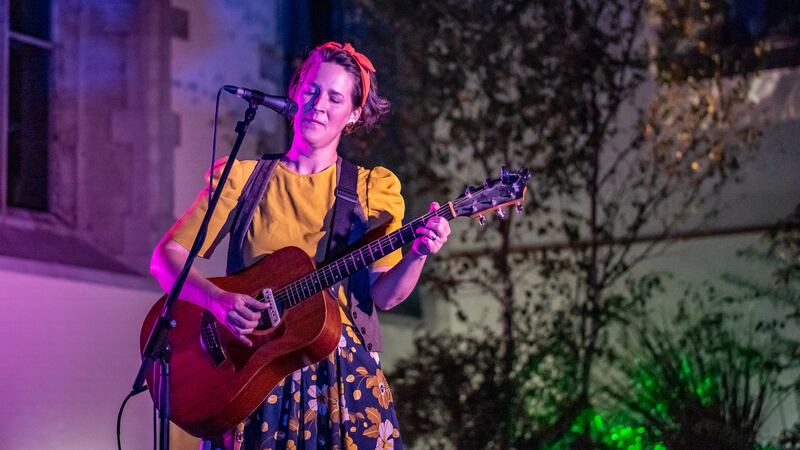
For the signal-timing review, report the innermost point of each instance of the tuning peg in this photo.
(518, 208)
(501, 213)
(482, 220)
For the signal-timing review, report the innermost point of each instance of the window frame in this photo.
(11, 213)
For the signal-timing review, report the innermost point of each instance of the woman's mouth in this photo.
(314, 121)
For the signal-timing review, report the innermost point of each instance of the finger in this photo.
(255, 304)
(244, 310)
(440, 227)
(247, 313)
(244, 340)
(426, 232)
(434, 206)
(240, 336)
(235, 319)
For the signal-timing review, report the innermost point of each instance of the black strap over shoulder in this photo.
(251, 195)
(346, 200)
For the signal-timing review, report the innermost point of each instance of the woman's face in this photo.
(325, 104)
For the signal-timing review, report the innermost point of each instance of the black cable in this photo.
(119, 418)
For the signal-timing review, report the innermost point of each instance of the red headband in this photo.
(363, 63)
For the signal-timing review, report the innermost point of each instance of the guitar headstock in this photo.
(494, 195)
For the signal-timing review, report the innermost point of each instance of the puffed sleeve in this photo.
(185, 229)
(385, 209)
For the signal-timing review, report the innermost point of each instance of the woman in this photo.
(343, 401)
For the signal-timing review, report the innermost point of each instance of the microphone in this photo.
(282, 105)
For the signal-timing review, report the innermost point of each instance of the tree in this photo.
(626, 150)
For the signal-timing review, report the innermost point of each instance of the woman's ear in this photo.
(354, 116)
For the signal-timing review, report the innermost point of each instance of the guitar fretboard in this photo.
(339, 269)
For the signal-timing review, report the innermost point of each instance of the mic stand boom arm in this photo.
(157, 347)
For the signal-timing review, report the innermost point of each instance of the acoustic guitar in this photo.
(216, 381)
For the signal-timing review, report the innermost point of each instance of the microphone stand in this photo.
(157, 348)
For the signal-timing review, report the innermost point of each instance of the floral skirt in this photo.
(342, 402)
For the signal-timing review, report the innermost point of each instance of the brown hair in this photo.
(375, 106)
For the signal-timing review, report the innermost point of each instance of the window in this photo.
(25, 137)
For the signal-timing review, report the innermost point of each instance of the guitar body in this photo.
(208, 397)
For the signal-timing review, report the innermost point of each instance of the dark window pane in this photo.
(28, 134)
(31, 17)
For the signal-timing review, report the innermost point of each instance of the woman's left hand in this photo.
(431, 236)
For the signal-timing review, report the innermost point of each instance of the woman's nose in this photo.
(319, 103)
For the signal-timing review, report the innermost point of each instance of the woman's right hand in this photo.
(238, 312)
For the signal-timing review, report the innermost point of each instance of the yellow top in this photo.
(293, 211)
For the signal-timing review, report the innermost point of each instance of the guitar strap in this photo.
(251, 195)
(346, 193)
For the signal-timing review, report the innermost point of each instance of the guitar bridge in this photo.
(273, 312)
(209, 336)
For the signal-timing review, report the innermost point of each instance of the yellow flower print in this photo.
(294, 424)
(348, 442)
(380, 388)
(338, 406)
(375, 419)
(353, 335)
(342, 350)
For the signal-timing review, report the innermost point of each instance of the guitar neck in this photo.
(358, 259)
